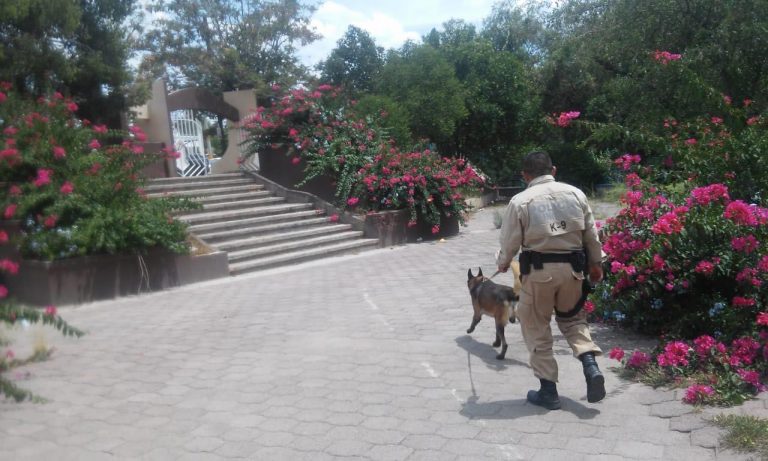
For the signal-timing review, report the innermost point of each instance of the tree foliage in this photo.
(79, 48)
(226, 45)
(355, 63)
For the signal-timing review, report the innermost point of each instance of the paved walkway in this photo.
(361, 357)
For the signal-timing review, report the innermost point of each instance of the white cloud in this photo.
(332, 19)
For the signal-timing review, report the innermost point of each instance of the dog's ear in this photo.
(469, 274)
(480, 274)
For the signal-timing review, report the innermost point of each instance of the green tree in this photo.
(77, 47)
(355, 63)
(420, 79)
(227, 45)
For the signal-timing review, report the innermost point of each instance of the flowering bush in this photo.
(369, 170)
(712, 372)
(76, 190)
(75, 187)
(684, 261)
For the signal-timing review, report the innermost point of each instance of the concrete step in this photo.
(238, 244)
(296, 245)
(302, 219)
(233, 197)
(294, 257)
(198, 185)
(187, 179)
(239, 204)
(230, 215)
(213, 191)
(223, 226)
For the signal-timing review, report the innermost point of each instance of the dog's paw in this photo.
(513, 319)
(500, 357)
(470, 330)
(496, 343)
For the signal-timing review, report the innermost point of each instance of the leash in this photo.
(494, 274)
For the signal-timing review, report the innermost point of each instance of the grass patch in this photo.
(611, 195)
(746, 434)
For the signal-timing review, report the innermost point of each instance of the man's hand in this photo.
(595, 273)
(503, 268)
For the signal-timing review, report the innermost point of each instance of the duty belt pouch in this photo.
(525, 263)
(579, 261)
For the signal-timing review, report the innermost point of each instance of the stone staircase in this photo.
(257, 229)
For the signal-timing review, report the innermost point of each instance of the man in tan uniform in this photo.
(552, 223)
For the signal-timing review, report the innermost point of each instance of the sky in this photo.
(389, 22)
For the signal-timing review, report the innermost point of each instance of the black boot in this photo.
(595, 379)
(546, 396)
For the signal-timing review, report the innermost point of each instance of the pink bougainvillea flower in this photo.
(708, 194)
(435, 229)
(59, 152)
(740, 213)
(10, 210)
(67, 188)
(717, 120)
(753, 120)
(665, 57)
(741, 301)
(675, 354)
(100, 129)
(705, 268)
(746, 244)
(589, 306)
(411, 223)
(727, 100)
(565, 118)
(762, 318)
(50, 221)
(50, 311)
(295, 160)
(638, 359)
(43, 177)
(3, 97)
(15, 191)
(71, 106)
(352, 201)
(691, 141)
(94, 144)
(9, 266)
(3, 291)
(333, 218)
(698, 393)
(616, 353)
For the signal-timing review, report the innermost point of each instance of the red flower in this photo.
(10, 210)
(435, 228)
(352, 201)
(3, 291)
(9, 266)
(295, 160)
(59, 152)
(762, 318)
(43, 177)
(94, 144)
(3, 236)
(50, 311)
(50, 221)
(616, 353)
(334, 218)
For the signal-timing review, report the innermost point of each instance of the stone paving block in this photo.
(389, 452)
(638, 450)
(431, 455)
(706, 437)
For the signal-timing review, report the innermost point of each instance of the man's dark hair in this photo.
(537, 163)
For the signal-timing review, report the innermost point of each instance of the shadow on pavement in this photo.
(487, 353)
(518, 408)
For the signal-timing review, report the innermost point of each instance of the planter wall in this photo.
(278, 167)
(391, 228)
(92, 278)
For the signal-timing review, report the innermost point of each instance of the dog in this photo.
(495, 300)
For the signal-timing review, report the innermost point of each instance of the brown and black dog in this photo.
(494, 300)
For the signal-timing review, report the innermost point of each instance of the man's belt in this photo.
(528, 259)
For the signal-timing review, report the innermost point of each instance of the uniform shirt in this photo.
(548, 217)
